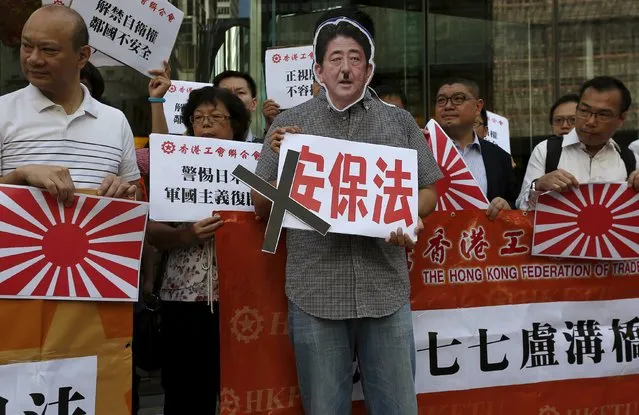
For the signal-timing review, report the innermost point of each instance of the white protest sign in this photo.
(138, 33)
(176, 97)
(99, 59)
(359, 188)
(498, 131)
(191, 177)
(289, 75)
(53, 386)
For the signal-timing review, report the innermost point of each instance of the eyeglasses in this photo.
(563, 120)
(603, 116)
(209, 119)
(456, 99)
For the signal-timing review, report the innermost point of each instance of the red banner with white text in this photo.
(497, 331)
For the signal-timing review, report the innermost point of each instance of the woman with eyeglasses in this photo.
(189, 290)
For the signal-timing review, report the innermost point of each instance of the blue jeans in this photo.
(324, 352)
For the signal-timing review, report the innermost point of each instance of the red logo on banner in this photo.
(89, 250)
(458, 189)
(593, 221)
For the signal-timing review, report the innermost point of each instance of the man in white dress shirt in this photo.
(588, 153)
(53, 135)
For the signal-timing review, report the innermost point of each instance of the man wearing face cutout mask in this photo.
(349, 295)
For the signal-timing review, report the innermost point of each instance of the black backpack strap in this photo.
(628, 158)
(554, 153)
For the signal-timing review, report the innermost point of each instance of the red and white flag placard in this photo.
(458, 189)
(88, 251)
(596, 220)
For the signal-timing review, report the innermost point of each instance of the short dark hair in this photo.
(239, 116)
(562, 100)
(386, 90)
(95, 79)
(343, 28)
(350, 12)
(80, 36)
(608, 83)
(236, 74)
(484, 116)
(470, 84)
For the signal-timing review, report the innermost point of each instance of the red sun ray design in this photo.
(458, 189)
(90, 250)
(594, 221)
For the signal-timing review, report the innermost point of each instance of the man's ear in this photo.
(480, 105)
(85, 54)
(318, 72)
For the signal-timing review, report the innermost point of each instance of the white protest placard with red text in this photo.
(192, 177)
(176, 97)
(138, 33)
(289, 75)
(498, 131)
(359, 188)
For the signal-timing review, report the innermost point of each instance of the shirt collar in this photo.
(41, 102)
(475, 144)
(572, 139)
(365, 102)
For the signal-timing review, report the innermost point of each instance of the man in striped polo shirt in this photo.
(53, 135)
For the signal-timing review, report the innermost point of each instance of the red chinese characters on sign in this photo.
(161, 11)
(195, 149)
(396, 193)
(309, 183)
(352, 195)
(513, 246)
(351, 171)
(473, 243)
(184, 149)
(220, 151)
(437, 247)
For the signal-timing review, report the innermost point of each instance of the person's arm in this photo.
(165, 237)
(56, 179)
(428, 172)
(267, 165)
(427, 200)
(535, 169)
(157, 89)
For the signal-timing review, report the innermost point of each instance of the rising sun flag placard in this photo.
(88, 251)
(597, 220)
(458, 189)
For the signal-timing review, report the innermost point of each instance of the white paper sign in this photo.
(192, 177)
(49, 385)
(176, 97)
(359, 188)
(289, 75)
(498, 131)
(138, 33)
(99, 59)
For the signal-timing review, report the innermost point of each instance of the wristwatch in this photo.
(533, 187)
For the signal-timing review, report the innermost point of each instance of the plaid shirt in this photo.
(341, 276)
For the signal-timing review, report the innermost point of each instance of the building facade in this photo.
(523, 53)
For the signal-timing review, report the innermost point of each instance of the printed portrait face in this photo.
(344, 65)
